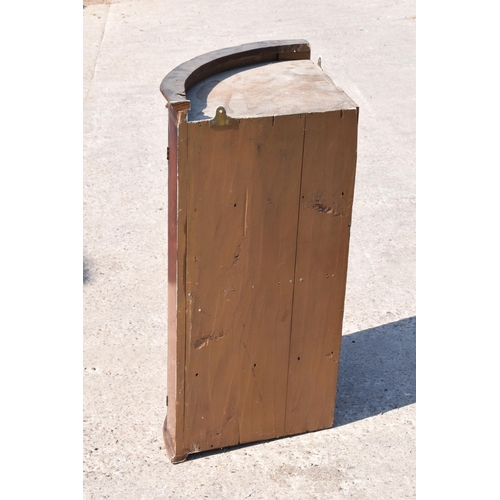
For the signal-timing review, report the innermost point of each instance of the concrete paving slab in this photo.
(368, 48)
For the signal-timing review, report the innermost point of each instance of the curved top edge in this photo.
(175, 85)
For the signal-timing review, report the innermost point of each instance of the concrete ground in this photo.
(368, 48)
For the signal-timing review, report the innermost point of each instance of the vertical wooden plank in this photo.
(243, 191)
(174, 424)
(322, 248)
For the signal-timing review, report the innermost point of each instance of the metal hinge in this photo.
(168, 153)
(166, 401)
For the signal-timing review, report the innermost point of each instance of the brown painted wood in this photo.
(321, 269)
(175, 85)
(243, 189)
(174, 423)
(259, 220)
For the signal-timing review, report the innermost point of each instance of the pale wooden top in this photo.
(268, 89)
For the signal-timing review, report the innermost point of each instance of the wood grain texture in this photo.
(259, 220)
(174, 424)
(291, 87)
(243, 191)
(321, 268)
(175, 85)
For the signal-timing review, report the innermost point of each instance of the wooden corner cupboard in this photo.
(262, 158)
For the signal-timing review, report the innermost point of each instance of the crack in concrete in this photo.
(98, 53)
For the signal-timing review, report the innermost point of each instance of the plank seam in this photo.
(294, 273)
(185, 446)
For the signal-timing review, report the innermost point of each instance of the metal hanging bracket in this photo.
(221, 119)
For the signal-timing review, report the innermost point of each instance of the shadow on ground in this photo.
(376, 371)
(86, 271)
(376, 374)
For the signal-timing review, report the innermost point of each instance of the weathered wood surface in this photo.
(243, 189)
(321, 269)
(259, 221)
(173, 429)
(175, 85)
(269, 89)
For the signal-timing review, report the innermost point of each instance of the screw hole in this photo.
(196, 374)
(298, 359)
(254, 365)
(235, 204)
